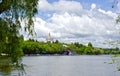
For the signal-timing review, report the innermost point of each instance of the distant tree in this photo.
(56, 41)
(31, 40)
(90, 45)
(76, 44)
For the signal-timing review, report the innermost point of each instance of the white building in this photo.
(49, 39)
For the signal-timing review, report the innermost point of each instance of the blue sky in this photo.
(80, 21)
(104, 4)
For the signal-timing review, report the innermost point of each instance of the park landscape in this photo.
(59, 38)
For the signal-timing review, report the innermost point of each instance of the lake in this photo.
(84, 65)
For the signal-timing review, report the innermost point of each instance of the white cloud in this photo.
(65, 24)
(74, 24)
(60, 6)
(93, 6)
(67, 6)
(109, 13)
(44, 5)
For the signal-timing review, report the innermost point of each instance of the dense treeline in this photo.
(112, 50)
(34, 47)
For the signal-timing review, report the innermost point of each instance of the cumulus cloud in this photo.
(44, 5)
(93, 6)
(60, 6)
(71, 23)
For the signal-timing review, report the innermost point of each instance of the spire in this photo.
(49, 38)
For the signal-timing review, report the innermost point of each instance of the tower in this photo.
(49, 40)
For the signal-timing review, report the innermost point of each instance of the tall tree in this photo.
(12, 13)
(90, 45)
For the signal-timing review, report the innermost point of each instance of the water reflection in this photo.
(6, 67)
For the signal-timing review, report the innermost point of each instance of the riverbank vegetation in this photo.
(34, 47)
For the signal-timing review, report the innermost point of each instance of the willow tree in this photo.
(12, 13)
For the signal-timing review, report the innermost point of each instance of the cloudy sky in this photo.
(80, 21)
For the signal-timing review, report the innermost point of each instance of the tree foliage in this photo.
(90, 45)
(32, 47)
(12, 13)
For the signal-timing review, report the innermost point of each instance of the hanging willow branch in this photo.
(12, 13)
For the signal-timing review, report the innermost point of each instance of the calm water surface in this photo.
(70, 66)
